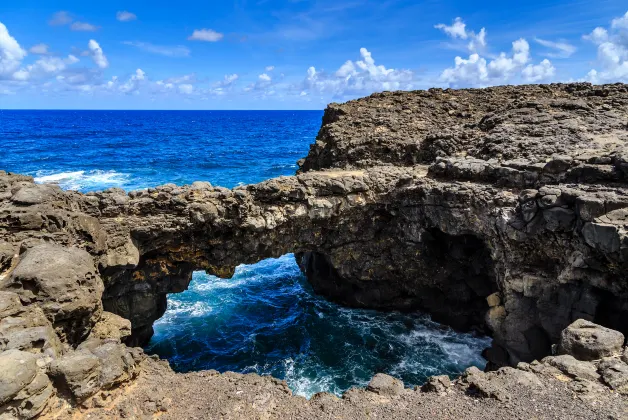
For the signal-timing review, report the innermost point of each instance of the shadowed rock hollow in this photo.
(502, 210)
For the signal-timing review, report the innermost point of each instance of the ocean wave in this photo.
(83, 180)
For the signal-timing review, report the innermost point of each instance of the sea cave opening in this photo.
(267, 319)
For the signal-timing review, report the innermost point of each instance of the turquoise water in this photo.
(266, 319)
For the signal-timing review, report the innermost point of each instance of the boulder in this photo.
(118, 364)
(573, 367)
(79, 373)
(17, 370)
(383, 384)
(111, 326)
(32, 399)
(614, 374)
(585, 340)
(26, 328)
(35, 194)
(64, 283)
(437, 384)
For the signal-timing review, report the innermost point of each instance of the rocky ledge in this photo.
(500, 210)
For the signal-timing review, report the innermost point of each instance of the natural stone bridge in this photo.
(502, 210)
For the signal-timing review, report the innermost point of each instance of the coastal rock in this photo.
(79, 373)
(64, 284)
(383, 384)
(439, 383)
(500, 211)
(615, 374)
(17, 370)
(585, 340)
(573, 367)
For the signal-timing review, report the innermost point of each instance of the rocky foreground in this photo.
(501, 210)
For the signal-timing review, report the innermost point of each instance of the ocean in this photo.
(266, 319)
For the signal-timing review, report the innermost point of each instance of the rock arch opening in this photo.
(268, 319)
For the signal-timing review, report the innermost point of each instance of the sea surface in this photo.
(266, 319)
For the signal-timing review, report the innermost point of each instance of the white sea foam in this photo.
(83, 180)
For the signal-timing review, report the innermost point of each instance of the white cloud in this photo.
(134, 82)
(477, 71)
(597, 36)
(168, 51)
(472, 71)
(539, 72)
(264, 77)
(11, 54)
(356, 78)
(458, 30)
(125, 16)
(612, 52)
(83, 27)
(60, 18)
(45, 67)
(228, 80)
(620, 22)
(97, 54)
(270, 68)
(208, 35)
(41, 49)
(561, 49)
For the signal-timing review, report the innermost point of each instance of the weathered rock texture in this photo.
(502, 210)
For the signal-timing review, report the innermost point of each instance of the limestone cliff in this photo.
(502, 210)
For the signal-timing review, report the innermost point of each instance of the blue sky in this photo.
(294, 54)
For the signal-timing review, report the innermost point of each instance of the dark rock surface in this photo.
(502, 210)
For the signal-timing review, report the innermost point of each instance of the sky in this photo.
(294, 54)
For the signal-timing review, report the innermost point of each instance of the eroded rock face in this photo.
(64, 283)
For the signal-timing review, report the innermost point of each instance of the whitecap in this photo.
(83, 180)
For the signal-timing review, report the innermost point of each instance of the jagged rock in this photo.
(111, 326)
(17, 370)
(35, 194)
(385, 385)
(118, 363)
(573, 367)
(624, 356)
(77, 372)
(437, 384)
(31, 400)
(26, 328)
(585, 340)
(64, 283)
(615, 374)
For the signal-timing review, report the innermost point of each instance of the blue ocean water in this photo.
(266, 319)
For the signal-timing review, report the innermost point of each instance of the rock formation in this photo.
(502, 210)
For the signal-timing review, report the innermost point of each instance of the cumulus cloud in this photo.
(97, 54)
(11, 54)
(60, 18)
(561, 49)
(356, 78)
(133, 84)
(458, 30)
(44, 67)
(477, 71)
(264, 77)
(612, 52)
(207, 35)
(539, 72)
(168, 51)
(270, 68)
(41, 49)
(125, 16)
